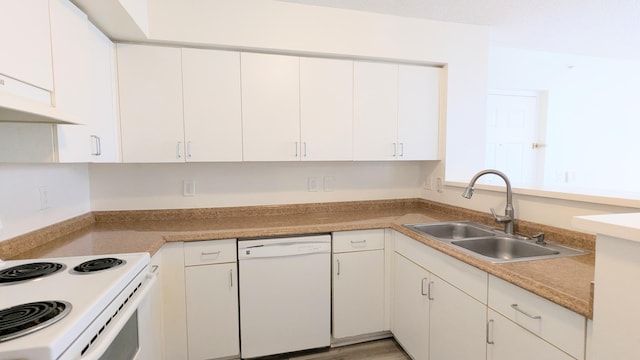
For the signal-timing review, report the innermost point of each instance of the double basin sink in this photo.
(489, 244)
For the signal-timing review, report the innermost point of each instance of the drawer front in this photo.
(557, 325)
(358, 240)
(209, 252)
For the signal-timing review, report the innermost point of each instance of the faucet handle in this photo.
(539, 237)
(500, 218)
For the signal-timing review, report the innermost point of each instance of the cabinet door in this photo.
(375, 112)
(212, 113)
(455, 317)
(150, 86)
(326, 109)
(411, 307)
(358, 293)
(270, 107)
(25, 35)
(418, 112)
(69, 39)
(103, 120)
(212, 311)
(508, 341)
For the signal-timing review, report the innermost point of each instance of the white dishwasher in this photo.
(285, 294)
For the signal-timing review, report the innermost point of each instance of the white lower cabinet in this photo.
(211, 285)
(539, 318)
(358, 283)
(432, 317)
(507, 341)
(411, 307)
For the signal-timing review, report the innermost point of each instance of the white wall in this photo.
(67, 191)
(160, 186)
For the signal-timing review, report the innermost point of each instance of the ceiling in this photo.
(592, 27)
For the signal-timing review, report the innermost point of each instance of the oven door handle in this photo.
(99, 348)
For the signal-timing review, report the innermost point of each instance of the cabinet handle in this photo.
(395, 149)
(490, 332)
(422, 287)
(338, 266)
(210, 253)
(304, 144)
(401, 149)
(296, 155)
(358, 242)
(98, 147)
(430, 288)
(178, 152)
(154, 268)
(516, 308)
(230, 278)
(189, 149)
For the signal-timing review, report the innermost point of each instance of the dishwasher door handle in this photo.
(283, 250)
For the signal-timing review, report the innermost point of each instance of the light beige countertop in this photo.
(565, 281)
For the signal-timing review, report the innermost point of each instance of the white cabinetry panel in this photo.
(212, 110)
(25, 34)
(270, 107)
(375, 113)
(418, 112)
(326, 109)
(150, 86)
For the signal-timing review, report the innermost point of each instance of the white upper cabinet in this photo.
(26, 42)
(70, 40)
(151, 118)
(326, 109)
(104, 132)
(396, 111)
(212, 109)
(418, 112)
(375, 113)
(270, 107)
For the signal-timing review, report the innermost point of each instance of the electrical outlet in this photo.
(427, 184)
(44, 197)
(313, 184)
(188, 187)
(328, 182)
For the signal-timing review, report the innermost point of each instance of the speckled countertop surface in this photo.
(565, 281)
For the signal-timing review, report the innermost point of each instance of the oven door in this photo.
(122, 336)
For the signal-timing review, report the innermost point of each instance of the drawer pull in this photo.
(516, 308)
(154, 268)
(490, 332)
(210, 253)
(357, 242)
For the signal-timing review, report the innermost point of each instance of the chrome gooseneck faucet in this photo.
(508, 217)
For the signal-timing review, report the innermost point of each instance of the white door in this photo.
(512, 131)
(326, 109)
(358, 293)
(212, 311)
(508, 341)
(212, 112)
(411, 307)
(455, 317)
(270, 107)
(418, 112)
(375, 112)
(151, 118)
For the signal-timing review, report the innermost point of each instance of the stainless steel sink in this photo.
(452, 230)
(490, 244)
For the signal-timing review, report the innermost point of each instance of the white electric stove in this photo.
(71, 312)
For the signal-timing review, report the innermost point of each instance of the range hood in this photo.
(18, 109)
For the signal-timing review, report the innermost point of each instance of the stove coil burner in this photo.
(28, 271)
(98, 265)
(24, 319)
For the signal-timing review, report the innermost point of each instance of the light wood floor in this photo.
(386, 349)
